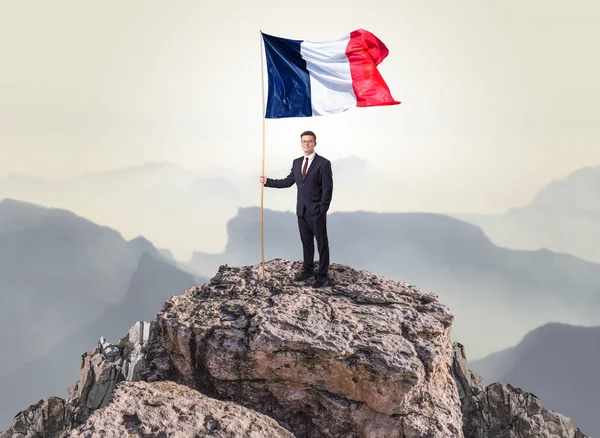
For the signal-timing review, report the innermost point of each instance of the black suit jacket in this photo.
(314, 193)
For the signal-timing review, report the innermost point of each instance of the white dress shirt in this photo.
(311, 157)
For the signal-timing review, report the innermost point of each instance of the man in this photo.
(314, 179)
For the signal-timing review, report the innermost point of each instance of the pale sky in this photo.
(498, 97)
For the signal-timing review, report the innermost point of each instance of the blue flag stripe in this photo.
(288, 78)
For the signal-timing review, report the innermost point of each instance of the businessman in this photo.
(313, 176)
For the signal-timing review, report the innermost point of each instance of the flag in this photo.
(319, 78)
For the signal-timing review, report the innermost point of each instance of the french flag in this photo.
(309, 78)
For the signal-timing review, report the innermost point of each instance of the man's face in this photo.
(308, 144)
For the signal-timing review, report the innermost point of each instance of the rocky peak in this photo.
(365, 356)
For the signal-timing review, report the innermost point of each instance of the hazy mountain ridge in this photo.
(181, 209)
(579, 191)
(163, 202)
(564, 216)
(35, 253)
(59, 272)
(149, 198)
(556, 362)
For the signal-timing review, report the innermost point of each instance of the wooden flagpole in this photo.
(262, 186)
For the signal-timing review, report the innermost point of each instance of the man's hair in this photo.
(314, 136)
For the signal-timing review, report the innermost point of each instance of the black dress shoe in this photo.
(304, 275)
(321, 281)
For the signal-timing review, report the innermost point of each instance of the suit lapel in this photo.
(299, 167)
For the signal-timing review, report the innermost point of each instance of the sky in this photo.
(498, 97)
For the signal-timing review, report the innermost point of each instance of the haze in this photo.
(498, 98)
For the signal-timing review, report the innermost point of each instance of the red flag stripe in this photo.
(365, 51)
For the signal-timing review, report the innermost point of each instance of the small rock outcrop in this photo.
(101, 370)
(166, 409)
(502, 411)
(47, 419)
(365, 357)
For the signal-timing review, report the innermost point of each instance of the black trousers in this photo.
(312, 227)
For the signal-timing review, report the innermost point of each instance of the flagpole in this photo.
(262, 186)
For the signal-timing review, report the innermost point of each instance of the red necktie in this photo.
(304, 170)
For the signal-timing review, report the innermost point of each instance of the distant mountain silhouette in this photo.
(161, 201)
(59, 272)
(578, 192)
(180, 209)
(559, 364)
(53, 265)
(184, 210)
(564, 217)
(497, 294)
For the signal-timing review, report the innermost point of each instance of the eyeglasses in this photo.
(307, 141)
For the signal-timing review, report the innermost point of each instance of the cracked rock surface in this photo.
(102, 368)
(166, 409)
(363, 356)
(503, 411)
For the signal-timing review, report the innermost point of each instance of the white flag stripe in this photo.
(330, 79)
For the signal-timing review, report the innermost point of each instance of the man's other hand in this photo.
(263, 179)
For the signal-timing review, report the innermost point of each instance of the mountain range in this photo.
(64, 282)
(564, 217)
(180, 209)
